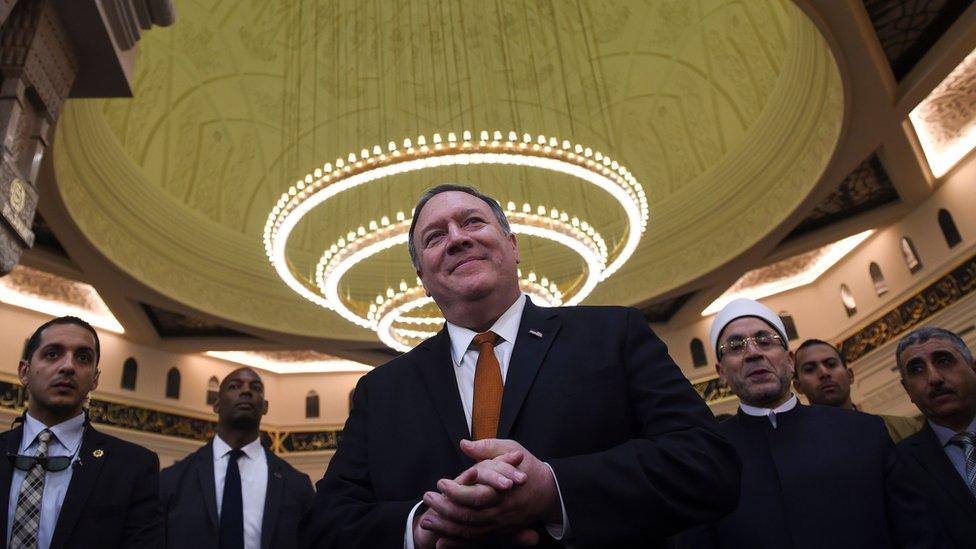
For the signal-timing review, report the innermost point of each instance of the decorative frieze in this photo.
(913, 311)
(136, 418)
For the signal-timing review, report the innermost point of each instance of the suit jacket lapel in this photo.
(932, 457)
(11, 446)
(205, 476)
(272, 499)
(91, 458)
(436, 370)
(530, 350)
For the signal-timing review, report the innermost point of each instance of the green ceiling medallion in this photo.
(726, 112)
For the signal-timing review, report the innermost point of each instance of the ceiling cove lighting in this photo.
(257, 360)
(396, 314)
(55, 296)
(819, 262)
(945, 120)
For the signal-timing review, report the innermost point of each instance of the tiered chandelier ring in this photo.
(392, 314)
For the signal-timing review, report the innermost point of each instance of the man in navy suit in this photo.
(586, 431)
(67, 485)
(233, 492)
(939, 374)
(812, 476)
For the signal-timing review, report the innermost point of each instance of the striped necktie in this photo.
(967, 441)
(27, 517)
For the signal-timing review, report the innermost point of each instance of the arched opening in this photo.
(130, 370)
(847, 298)
(698, 356)
(912, 260)
(213, 390)
(173, 383)
(790, 325)
(949, 230)
(877, 278)
(312, 404)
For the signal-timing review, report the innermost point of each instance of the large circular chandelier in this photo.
(404, 316)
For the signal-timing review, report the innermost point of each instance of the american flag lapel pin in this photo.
(535, 333)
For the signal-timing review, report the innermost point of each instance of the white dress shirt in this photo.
(253, 466)
(769, 412)
(65, 441)
(465, 359)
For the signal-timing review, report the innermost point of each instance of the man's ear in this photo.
(515, 247)
(792, 359)
(216, 406)
(420, 276)
(720, 372)
(22, 370)
(905, 387)
(264, 408)
(95, 378)
(850, 375)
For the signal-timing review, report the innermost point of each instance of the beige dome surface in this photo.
(727, 112)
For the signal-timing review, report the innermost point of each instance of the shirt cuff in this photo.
(408, 533)
(559, 532)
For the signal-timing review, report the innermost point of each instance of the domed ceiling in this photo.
(726, 112)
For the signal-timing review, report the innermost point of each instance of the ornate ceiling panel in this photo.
(56, 296)
(44, 238)
(172, 324)
(946, 120)
(716, 107)
(865, 188)
(908, 28)
(662, 311)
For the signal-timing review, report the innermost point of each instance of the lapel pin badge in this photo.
(98, 453)
(536, 333)
(277, 474)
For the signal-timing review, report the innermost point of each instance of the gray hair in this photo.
(496, 209)
(921, 335)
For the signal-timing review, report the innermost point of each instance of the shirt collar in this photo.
(251, 449)
(68, 433)
(506, 327)
(756, 411)
(944, 434)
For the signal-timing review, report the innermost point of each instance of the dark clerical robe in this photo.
(822, 478)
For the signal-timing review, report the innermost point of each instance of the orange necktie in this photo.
(488, 388)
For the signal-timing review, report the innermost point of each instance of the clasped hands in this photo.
(504, 493)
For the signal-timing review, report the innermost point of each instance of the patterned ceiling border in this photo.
(907, 29)
(136, 418)
(948, 289)
(712, 390)
(865, 188)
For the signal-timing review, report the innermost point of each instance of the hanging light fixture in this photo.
(393, 314)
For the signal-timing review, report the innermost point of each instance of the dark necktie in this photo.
(232, 506)
(488, 388)
(968, 443)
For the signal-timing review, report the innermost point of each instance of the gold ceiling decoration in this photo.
(726, 112)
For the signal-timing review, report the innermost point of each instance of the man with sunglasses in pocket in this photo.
(66, 484)
(812, 476)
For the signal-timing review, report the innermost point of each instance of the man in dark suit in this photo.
(813, 476)
(67, 485)
(822, 375)
(583, 428)
(233, 492)
(938, 372)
